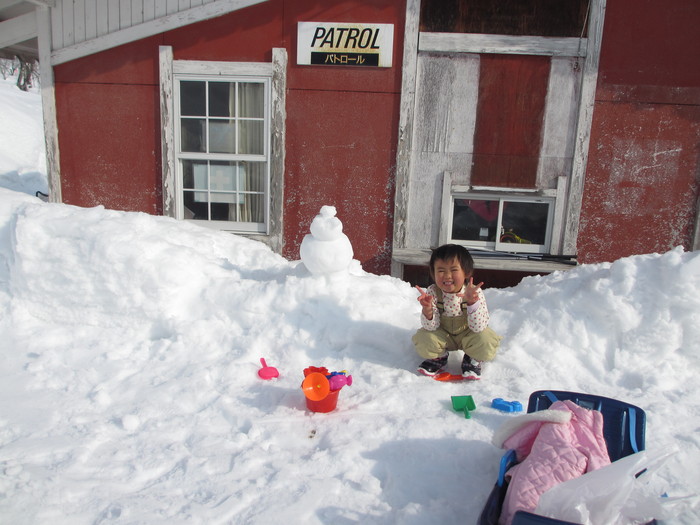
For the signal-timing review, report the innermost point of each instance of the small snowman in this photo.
(327, 250)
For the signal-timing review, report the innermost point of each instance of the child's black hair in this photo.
(447, 252)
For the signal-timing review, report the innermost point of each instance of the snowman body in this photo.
(326, 250)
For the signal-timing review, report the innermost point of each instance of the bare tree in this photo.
(7, 66)
(26, 72)
(26, 69)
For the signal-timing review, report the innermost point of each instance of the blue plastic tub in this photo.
(624, 428)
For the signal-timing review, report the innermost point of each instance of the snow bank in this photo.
(130, 392)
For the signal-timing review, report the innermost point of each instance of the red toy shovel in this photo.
(267, 372)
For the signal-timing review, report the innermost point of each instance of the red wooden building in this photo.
(548, 128)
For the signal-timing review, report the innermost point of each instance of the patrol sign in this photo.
(344, 44)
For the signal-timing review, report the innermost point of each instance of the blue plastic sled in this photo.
(624, 427)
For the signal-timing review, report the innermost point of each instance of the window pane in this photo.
(253, 210)
(254, 175)
(475, 220)
(251, 137)
(192, 138)
(251, 100)
(195, 209)
(222, 136)
(223, 176)
(525, 222)
(221, 99)
(192, 99)
(223, 212)
(194, 175)
(224, 182)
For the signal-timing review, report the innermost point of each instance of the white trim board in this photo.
(406, 120)
(167, 144)
(583, 128)
(48, 104)
(505, 44)
(18, 29)
(150, 28)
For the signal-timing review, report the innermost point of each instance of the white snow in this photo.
(22, 151)
(130, 346)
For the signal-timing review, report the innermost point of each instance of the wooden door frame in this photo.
(415, 41)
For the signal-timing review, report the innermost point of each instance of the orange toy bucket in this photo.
(318, 393)
(327, 404)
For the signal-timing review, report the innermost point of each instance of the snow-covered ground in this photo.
(130, 346)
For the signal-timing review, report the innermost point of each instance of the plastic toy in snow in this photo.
(338, 380)
(506, 406)
(316, 386)
(321, 388)
(267, 372)
(446, 376)
(464, 404)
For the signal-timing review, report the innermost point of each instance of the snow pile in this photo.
(129, 390)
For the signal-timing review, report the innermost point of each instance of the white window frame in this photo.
(230, 225)
(555, 198)
(275, 74)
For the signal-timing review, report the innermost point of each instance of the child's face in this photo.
(449, 275)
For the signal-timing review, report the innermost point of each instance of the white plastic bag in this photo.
(612, 495)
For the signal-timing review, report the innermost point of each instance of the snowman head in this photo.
(326, 226)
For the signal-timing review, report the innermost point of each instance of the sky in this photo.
(130, 347)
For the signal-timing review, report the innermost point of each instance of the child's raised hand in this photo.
(471, 292)
(426, 301)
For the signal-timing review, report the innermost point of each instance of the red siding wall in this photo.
(512, 91)
(342, 134)
(341, 122)
(641, 186)
(108, 122)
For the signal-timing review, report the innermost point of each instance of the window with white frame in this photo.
(222, 147)
(508, 223)
(506, 220)
(223, 143)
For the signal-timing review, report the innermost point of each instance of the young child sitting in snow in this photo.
(455, 316)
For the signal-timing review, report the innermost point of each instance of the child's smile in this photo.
(449, 275)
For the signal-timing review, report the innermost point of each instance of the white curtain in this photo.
(251, 104)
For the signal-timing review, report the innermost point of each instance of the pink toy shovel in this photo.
(267, 372)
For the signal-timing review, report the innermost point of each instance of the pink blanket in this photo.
(552, 446)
